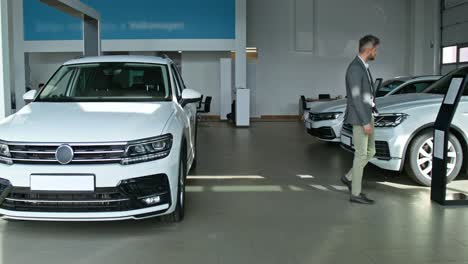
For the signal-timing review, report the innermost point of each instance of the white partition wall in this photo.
(225, 65)
(5, 64)
(243, 93)
(243, 107)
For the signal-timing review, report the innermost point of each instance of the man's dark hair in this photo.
(368, 41)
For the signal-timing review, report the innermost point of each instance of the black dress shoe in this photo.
(346, 182)
(361, 199)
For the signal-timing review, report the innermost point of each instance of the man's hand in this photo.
(368, 129)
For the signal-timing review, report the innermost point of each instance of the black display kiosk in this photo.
(441, 136)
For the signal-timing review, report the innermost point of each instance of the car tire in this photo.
(419, 159)
(179, 212)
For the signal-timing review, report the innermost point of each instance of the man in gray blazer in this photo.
(360, 114)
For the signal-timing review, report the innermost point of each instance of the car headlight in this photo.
(147, 150)
(5, 156)
(325, 116)
(390, 120)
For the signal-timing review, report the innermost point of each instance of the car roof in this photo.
(399, 78)
(119, 58)
(425, 78)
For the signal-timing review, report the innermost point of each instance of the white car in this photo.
(404, 132)
(107, 138)
(325, 121)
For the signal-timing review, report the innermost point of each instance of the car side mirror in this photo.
(190, 96)
(29, 96)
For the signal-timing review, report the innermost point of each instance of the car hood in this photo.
(401, 103)
(86, 122)
(333, 106)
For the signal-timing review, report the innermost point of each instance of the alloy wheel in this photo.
(425, 158)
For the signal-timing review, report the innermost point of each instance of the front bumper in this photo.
(328, 130)
(118, 194)
(390, 146)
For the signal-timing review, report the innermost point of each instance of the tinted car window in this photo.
(416, 87)
(388, 86)
(442, 85)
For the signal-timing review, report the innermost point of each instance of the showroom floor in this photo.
(269, 194)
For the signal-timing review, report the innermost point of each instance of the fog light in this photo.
(152, 200)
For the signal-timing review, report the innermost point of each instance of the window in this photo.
(108, 82)
(464, 54)
(442, 85)
(177, 83)
(178, 79)
(449, 55)
(57, 86)
(416, 87)
(179, 76)
(388, 86)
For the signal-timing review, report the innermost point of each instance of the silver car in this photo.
(325, 121)
(404, 132)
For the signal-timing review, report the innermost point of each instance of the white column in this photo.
(19, 70)
(5, 80)
(437, 36)
(91, 36)
(242, 100)
(418, 37)
(226, 87)
(91, 22)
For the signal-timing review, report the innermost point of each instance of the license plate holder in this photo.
(64, 183)
(346, 140)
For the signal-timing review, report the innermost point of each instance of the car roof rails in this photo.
(165, 56)
(425, 76)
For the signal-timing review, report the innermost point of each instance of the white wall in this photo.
(284, 74)
(421, 37)
(201, 71)
(43, 65)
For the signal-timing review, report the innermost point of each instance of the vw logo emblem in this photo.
(64, 154)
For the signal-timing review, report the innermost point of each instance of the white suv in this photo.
(107, 138)
(325, 121)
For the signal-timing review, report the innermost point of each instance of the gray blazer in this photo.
(360, 94)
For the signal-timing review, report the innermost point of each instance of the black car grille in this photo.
(29, 153)
(323, 132)
(126, 196)
(348, 128)
(382, 150)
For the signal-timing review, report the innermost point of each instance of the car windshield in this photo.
(388, 86)
(442, 86)
(107, 82)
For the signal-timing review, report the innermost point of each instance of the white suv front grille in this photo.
(83, 153)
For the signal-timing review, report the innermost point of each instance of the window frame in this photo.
(442, 55)
(177, 85)
(457, 63)
(463, 46)
(429, 82)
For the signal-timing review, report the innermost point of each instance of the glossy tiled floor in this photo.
(269, 194)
